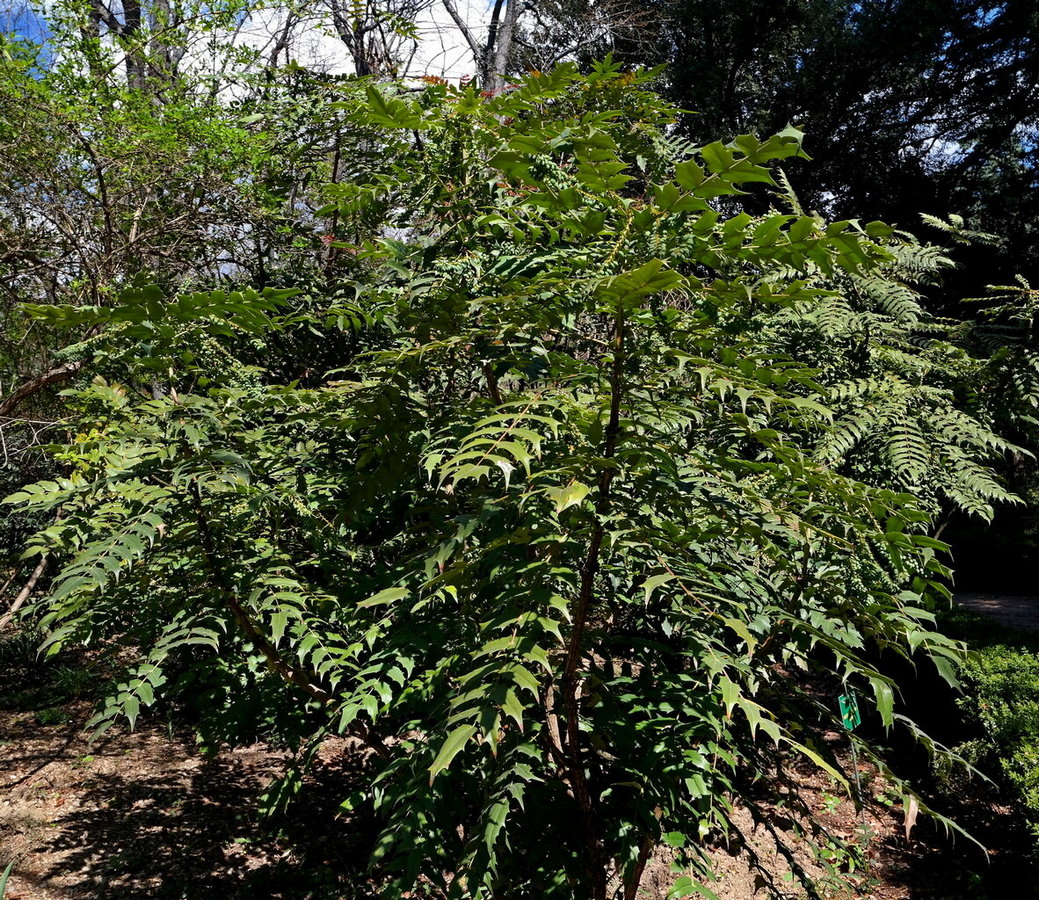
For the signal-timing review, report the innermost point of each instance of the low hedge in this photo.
(1000, 705)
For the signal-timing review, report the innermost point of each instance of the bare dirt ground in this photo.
(146, 816)
(134, 816)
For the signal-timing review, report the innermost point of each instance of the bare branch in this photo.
(54, 376)
(467, 32)
(24, 594)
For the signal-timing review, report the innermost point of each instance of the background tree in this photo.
(538, 34)
(910, 106)
(558, 30)
(381, 37)
(105, 181)
(493, 51)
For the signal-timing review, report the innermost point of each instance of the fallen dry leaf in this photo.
(912, 811)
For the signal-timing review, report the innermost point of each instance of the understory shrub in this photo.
(1000, 705)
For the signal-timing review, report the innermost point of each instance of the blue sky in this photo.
(20, 18)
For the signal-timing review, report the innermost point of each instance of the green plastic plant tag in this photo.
(850, 714)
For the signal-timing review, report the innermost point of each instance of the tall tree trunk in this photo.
(500, 53)
(491, 56)
(163, 53)
(362, 65)
(136, 65)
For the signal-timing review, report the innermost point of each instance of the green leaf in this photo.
(570, 495)
(512, 707)
(630, 288)
(655, 581)
(456, 740)
(688, 887)
(524, 678)
(279, 620)
(730, 694)
(885, 698)
(946, 670)
(131, 709)
(385, 597)
(743, 631)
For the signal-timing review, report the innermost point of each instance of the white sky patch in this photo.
(441, 50)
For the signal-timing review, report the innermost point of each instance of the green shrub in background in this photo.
(1000, 681)
(1004, 697)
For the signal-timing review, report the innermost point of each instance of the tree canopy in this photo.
(911, 106)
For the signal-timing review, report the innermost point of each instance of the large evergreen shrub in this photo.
(603, 465)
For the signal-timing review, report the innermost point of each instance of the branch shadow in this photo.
(197, 834)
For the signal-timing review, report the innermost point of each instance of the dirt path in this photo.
(1007, 609)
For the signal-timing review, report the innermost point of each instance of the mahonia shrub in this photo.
(573, 513)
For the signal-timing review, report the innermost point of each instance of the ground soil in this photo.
(147, 815)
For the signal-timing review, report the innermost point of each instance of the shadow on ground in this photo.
(194, 835)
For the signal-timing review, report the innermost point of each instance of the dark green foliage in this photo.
(53, 716)
(19, 650)
(911, 105)
(29, 681)
(1000, 704)
(1006, 394)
